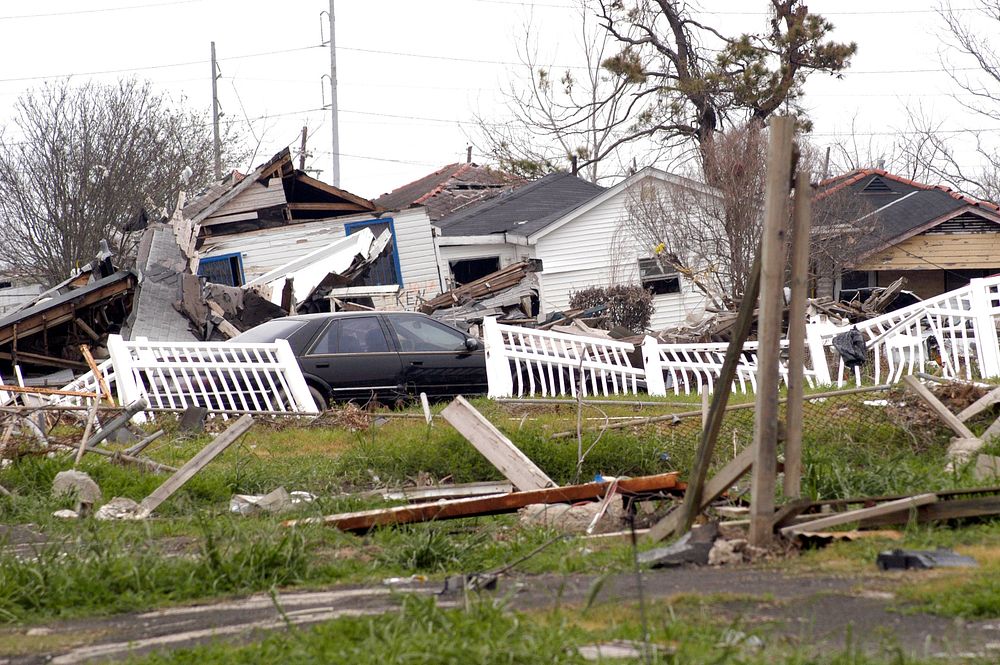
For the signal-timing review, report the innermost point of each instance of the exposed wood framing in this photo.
(889, 508)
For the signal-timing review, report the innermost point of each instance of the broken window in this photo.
(225, 269)
(385, 270)
(656, 279)
(464, 271)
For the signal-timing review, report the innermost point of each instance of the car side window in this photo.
(327, 343)
(362, 334)
(416, 333)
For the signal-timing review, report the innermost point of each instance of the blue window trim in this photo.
(225, 257)
(350, 227)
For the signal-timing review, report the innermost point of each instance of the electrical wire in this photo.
(103, 10)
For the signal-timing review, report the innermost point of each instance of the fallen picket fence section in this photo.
(223, 377)
(551, 363)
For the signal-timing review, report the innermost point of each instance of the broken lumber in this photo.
(719, 483)
(928, 398)
(945, 509)
(890, 508)
(48, 391)
(494, 446)
(366, 520)
(194, 465)
(980, 405)
(96, 371)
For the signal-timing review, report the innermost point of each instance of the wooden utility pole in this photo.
(302, 148)
(765, 431)
(217, 142)
(333, 100)
(801, 213)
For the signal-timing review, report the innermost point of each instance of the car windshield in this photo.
(270, 331)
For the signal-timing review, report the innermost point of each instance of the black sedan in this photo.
(378, 355)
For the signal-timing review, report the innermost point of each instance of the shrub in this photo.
(629, 306)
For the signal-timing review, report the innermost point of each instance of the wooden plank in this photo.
(980, 405)
(492, 505)
(992, 431)
(40, 359)
(801, 217)
(48, 391)
(224, 326)
(96, 371)
(694, 502)
(735, 469)
(928, 398)
(952, 509)
(87, 330)
(194, 465)
(890, 508)
(322, 206)
(790, 511)
(765, 430)
(494, 446)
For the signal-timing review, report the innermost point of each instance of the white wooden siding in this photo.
(268, 249)
(594, 250)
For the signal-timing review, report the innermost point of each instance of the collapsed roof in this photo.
(450, 189)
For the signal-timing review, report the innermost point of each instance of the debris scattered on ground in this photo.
(622, 650)
(119, 508)
(66, 514)
(923, 559)
(574, 518)
(78, 484)
(250, 504)
(691, 548)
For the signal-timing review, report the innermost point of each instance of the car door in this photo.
(435, 357)
(354, 357)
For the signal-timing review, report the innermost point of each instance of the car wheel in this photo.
(321, 403)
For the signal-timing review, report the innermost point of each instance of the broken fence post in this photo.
(117, 422)
(494, 446)
(194, 465)
(882, 509)
(655, 385)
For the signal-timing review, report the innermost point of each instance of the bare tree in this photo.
(562, 113)
(709, 235)
(78, 162)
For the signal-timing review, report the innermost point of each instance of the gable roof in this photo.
(887, 209)
(450, 189)
(525, 210)
(303, 197)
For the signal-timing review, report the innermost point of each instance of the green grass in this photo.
(486, 633)
(195, 549)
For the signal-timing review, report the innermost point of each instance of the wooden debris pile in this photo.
(510, 294)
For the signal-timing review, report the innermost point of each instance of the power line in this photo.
(77, 12)
(162, 66)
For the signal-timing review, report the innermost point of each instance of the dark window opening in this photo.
(656, 279)
(226, 269)
(6, 284)
(469, 270)
(956, 279)
(851, 280)
(385, 270)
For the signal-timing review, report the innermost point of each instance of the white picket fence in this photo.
(224, 377)
(551, 363)
(693, 368)
(957, 331)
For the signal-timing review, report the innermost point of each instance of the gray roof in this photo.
(60, 298)
(525, 210)
(884, 207)
(160, 264)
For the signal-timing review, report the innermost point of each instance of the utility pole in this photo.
(215, 117)
(333, 99)
(302, 149)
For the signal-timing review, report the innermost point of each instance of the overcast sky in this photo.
(413, 73)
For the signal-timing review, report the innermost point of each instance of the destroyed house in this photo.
(871, 227)
(450, 189)
(580, 233)
(249, 226)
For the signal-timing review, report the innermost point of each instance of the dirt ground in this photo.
(820, 610)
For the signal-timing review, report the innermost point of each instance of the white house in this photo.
(252, 225)
(581, 233)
